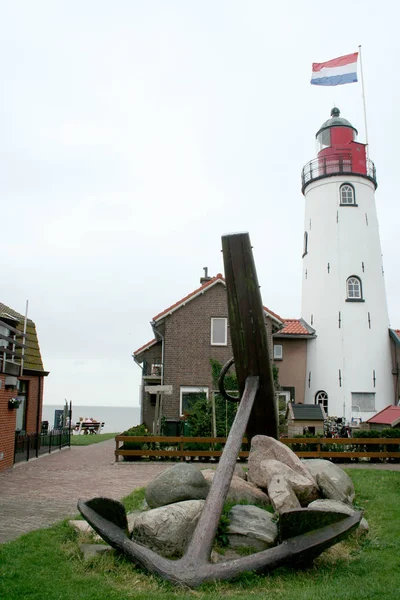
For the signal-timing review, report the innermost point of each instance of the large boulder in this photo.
(240, 490)
(281, 495)
(306, 491)
(251, 527)
(168, 529)
(333, 482)
(267, 448)
(180, 482)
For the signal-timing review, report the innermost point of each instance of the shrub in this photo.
(138, 431)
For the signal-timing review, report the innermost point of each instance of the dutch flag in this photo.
(336, 71)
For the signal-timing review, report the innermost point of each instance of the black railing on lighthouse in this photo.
(326, 166)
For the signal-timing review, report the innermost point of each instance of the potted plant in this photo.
(14, 403)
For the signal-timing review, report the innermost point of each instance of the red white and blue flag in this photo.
(336, 71)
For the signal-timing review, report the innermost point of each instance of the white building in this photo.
(349, 364)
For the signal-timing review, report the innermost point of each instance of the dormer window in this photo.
(347, 195)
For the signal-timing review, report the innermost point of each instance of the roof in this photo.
(307, 412)
(214, 280)
(289, 327)
(146, 346)
(295, 327)
(32, 356)
(335, 121)
(395, 335)
(200, 290)
(388, 416)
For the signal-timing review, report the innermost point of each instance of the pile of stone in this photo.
(276, 480)
(276, 483)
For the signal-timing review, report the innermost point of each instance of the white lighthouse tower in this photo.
(344, 300)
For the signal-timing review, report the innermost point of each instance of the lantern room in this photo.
(338, 152)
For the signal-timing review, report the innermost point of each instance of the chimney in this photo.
(206, 278)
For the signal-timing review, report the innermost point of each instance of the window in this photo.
(347, 196)
(278, 352)
(354, 289)
(190, 395)
(20, 424)
(219, 329)
(321, 397)
(362, 401)
(305, 244)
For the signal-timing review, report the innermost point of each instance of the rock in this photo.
(332, 505)
(333, 482)
(240, 472)
(90, 550)
(84, 527)
(251, 527)
(281, 495)
(181, 482)
(306, 491)
(240, 490)
(363, 527)
(267, 448)
(168, 529)
(132, 518)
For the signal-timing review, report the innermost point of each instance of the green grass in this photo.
(46, 564)
(86, 440)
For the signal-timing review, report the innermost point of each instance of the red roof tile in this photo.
(293, 327)
(190, 296)
(388, 416)
(145, 346)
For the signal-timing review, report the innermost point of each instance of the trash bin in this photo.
(172, 428)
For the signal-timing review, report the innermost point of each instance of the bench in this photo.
(86, 427)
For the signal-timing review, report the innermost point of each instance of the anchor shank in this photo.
(204, 534)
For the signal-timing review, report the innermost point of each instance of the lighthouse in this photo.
(343, 290)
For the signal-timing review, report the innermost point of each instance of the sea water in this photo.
(116, 418)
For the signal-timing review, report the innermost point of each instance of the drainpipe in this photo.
(38, 428)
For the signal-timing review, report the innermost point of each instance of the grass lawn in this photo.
(86, 440)
(46, 564)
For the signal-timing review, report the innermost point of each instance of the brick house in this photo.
(193, 330)
(25, 383)
(395, 352)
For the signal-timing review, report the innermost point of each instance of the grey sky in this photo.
(135, 133)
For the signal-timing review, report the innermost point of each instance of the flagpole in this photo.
(363, 97)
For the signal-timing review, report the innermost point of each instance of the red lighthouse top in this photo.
(339, 152)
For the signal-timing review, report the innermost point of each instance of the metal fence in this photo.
(33, 445)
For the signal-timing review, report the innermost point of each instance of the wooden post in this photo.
(248, 332)
(214, 419)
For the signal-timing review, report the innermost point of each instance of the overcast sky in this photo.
(134, 133)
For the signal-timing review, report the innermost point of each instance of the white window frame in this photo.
(350, 292)
(226, 331)
(191, 389)
(277, 355)
(322, 399)
(345, 196)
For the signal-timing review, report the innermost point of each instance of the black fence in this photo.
(33, 445)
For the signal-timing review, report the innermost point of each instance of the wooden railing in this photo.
(354, 447)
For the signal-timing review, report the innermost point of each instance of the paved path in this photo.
(41, 492)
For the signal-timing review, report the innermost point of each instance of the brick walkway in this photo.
(41, 492)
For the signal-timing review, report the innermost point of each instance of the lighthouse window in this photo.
(321, 397)
(347, 196)
(354, 289)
